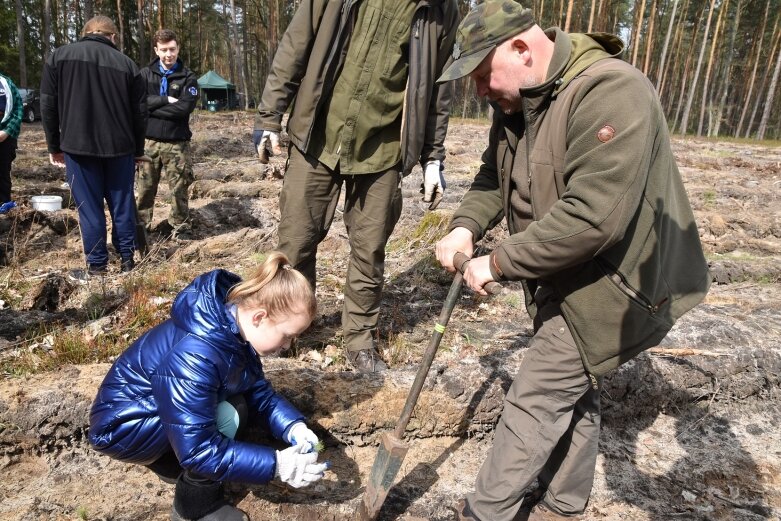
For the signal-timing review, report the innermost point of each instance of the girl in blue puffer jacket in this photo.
(175, 398)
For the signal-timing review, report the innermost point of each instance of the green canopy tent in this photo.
(217, 92)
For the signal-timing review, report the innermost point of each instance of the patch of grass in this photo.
(709, 199)
(81, 513)
(431, 228)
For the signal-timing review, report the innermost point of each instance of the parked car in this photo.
(32, 104)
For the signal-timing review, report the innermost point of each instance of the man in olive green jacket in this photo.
(601, 234)
(361, 80)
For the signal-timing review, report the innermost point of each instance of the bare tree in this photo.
(20, 32)
(707, 85)
(752, 77)
(239, 61)
(769, 98)
(569, 15)
(693, 87)
(121, 22)
(649, 38)
(47, 29)
(714, 130)
(660, 72)
(143, 55)
(638, 31)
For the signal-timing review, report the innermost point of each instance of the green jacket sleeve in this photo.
(289, 65)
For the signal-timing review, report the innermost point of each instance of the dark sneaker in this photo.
(366, 361)
(127, 264)
(7, 206)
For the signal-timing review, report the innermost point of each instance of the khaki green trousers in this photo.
(372, 207)
(549, 428)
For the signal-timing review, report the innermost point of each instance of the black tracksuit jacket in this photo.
(93, 100)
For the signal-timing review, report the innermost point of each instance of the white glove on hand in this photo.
(298, 469)
(433, 183)
(267, 139)
(300, 434)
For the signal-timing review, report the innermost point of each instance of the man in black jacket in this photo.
(93, 107)
(172, 93)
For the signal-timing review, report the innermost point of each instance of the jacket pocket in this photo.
(610, 321)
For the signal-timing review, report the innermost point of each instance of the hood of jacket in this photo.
(200, 309)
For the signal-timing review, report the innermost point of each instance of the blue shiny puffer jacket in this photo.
(163, 391)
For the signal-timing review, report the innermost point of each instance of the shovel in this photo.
(393, 449)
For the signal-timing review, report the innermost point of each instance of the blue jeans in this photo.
(93, 180)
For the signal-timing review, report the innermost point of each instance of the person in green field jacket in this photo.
(360, 81)
(602, 236)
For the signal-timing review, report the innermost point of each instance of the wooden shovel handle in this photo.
(460, 260)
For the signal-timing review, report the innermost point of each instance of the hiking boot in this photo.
(127, 264)
(7, 206)
(366, 361)
(541, 512)
(463, 512)
(83, 276)
(198, 499)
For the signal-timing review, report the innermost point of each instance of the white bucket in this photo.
(46, 203)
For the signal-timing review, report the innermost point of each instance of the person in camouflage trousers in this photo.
(172, 94)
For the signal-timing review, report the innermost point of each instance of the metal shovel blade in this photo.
(392, 449)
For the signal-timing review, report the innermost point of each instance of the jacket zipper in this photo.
(528, 155)
(620, 281)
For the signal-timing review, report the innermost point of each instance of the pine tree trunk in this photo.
(693, 86)
(761, 88)
(660, 72)
(47, 28)
(569, 15)
(769, 98)
(714, 130)
(142, 50)
(20, 33)
(649, 38)
(121, 26)
(752, 78)
(709, 67)
(591, 16)
(638, 32)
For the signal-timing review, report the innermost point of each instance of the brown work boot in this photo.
(366, 361)
(463, 512)
(540, 512)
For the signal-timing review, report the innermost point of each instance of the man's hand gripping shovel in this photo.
(393, 449)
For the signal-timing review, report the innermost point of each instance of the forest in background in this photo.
(715, 63)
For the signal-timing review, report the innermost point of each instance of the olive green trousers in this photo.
(372, 207)
(549, 428)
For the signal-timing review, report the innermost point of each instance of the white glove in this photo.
(171, 99)
(433, 183)
(300, 434)
(298, 469)
(267, 138)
